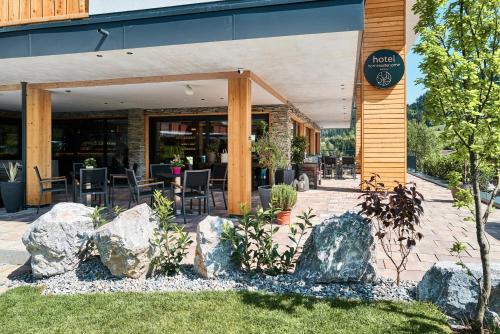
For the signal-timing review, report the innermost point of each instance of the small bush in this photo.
(170, 240)
(253, 248)
(397, 217)
(441, 165)
(284, 196)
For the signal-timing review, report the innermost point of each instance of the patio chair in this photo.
(156, 169)
(94, 182)
(349, 164)
(74, 177)
(218, 181)
(50, 189)
(141, 189)
(195, 185)
(329, 166)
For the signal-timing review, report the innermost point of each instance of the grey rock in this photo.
(340, 249)
(124, 244)
(213, 255)
(455, 292)
(57, 238)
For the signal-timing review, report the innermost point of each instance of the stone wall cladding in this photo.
(136, 144)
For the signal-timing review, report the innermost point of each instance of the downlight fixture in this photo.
(188, 90)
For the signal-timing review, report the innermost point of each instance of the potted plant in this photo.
(90, 163)
(284, 197)
(177, 165)
(454, 182)
(299, 146)
(272, 152)
(213, 150)
(12, 190)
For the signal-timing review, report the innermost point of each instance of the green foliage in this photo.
(213, 146)
(423, 141)
(253, 247)
(170, 240)
(459, 44)
(168, 152)
(440, 166)
(272, 149)
(90, 162)
(283, 196)
(338, 142)
(177, 161)
(416, 110)
(11, 170)
(454, 179)
(299, 145)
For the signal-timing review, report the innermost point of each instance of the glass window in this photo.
(10, 139)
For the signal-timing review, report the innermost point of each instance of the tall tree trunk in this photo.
(485, 283)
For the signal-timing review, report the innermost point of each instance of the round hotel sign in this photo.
(384, 68)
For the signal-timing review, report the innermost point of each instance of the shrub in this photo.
(299, 146)
(170, 240)
(454, 179)
(284, 196)
(439, 166)
(253, 248)
(422, 140)
(397, 216)
(90, 162)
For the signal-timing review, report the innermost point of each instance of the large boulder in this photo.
(213, 255)
(56, 239)
(455, 292)
(340, 249)
(124, 244)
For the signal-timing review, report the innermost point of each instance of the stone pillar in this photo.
(281, 122)
(136, 141)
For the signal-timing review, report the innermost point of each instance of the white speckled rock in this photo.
(213, 255)
(455, 292)
(340, 249)
(56, 239)
(124, 244)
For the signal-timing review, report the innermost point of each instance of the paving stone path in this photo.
(442, 225)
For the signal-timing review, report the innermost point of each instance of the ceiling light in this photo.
(122, 102)
(221, 98)
(99, 55)
(68, 91)
(105, 102)
(203, 99)
(130, 53)
(188, 90)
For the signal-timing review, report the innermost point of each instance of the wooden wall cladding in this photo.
(382, 117)
(19, 12)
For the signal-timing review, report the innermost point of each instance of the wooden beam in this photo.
(38, 142)
(143, 80)
(239, 144)
(259, 81)
(10, 87)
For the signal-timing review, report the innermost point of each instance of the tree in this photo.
(422, 140)
(416, 110)
(459, 44)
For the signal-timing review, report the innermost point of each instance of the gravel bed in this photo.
(93, 276)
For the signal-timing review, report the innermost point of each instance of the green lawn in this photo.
(24, 310)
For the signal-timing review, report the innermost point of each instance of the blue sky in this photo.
(412, 73)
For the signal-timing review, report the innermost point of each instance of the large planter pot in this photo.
(212, 156)
(283, 217)
(265, 196)
(286, 176)
(12, 196)
(176, 170)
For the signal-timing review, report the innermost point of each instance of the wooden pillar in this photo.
(38, 142)
(239, 144)
(359, 119)
(146, 146)
(318, 142)
(383, 111)
(302, 129)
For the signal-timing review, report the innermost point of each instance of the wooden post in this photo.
(38, 142)
(318, 142)
(239, 144)
(383, 111)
